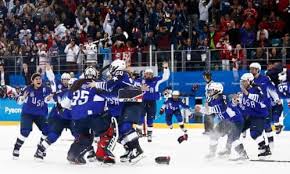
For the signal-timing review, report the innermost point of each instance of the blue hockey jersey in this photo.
(65, 113)
(220, 108)
(35, 103)
(172, 106)
(253, 104)
(284, 89)
(153, 84)
(120, 80)
(86, 102)
(268, 88)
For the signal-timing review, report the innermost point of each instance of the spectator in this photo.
(43, 58)
(260, 56)
(4, 76)
(225, 50)
(71, 50)
(203, 12)
(91, 51)
(3, 10)
(53, 55)
(26, 73)
(239, 57)
(234, 33)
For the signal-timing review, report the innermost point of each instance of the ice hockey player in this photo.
(34, 110)
(59, 118)
(172, 106)
(269, 90)
(151, 96)
(230, 123)
(127, 113)
(55, 84)
(253, 105)
(284, 85)
(90, 120)
(209, 117)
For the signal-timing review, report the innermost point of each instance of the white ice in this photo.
(186, 157)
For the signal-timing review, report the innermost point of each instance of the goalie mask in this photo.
(91, 73)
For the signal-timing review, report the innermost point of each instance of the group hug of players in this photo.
(107, 108)
(92, 106)
(255, 107)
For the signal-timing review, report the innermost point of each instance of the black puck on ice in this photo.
(162, 160)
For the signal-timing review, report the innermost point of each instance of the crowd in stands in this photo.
(36, 32)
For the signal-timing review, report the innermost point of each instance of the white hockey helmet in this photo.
(90, 72)
(65, 76)
(215, 88)
(149, 70)
(117, 65)
(256, 65)
(282, 76)
(175, 93)
(247, 77)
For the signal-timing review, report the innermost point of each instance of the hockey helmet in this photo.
(65, 76)
(117, 65)
(215, 88)
(256, 65)
(247, 77)
(282, 76)
(90, 72)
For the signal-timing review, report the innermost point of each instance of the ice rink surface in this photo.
(186, 157)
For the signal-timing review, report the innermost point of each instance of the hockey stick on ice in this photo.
(275, 161)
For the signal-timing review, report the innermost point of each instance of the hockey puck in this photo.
(162, 160)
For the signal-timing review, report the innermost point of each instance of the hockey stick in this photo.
(275, 161)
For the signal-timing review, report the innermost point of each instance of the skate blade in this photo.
(38, 159)
(124, 160)
(264, 157)
(15, 157)
(76, 163)
(136, 160)
(238, 159)
(91, 160)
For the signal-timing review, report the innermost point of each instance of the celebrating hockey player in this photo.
(269, 90)
(284, 85)
(231, 122)
(59, 119)
(254, 107)
(172, 106)
(209, 117)
(90, 120)
(127, 111)
(34, 110)
(151, 96)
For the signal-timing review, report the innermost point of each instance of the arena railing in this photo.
(179, 60)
